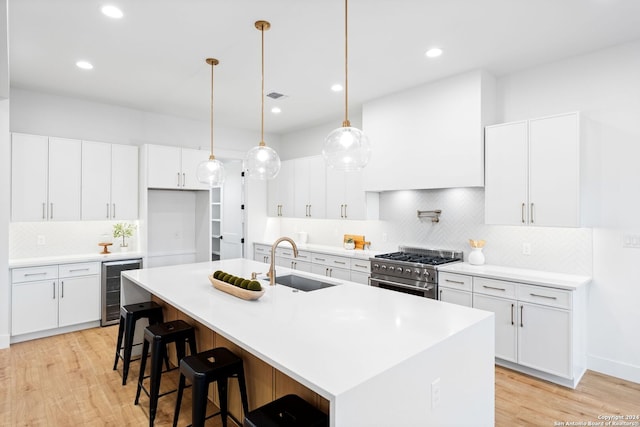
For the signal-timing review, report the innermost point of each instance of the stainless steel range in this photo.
(411, 270)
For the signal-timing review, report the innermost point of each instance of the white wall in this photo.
(5, 168)
(605, 87)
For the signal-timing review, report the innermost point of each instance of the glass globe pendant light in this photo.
(262, 162)
(346, 148)
(211, 172)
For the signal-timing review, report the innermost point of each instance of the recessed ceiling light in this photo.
(337, 87)
(434, 52)
(85, 65)
(276, 110)
(112, 11)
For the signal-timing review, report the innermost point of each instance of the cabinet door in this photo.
(34, 306)
(163, 167)
(554, 177)
(79, 300)
(335, 194)
(505, 324)
(65, 179)
(124, 181)
(190, 161)
(280, 191)
(506, 161)
(355, 198)
(359, 277)
(301, 266)
(309, 187)
(29, 164)
(96, 180)
(455, 296)
(339, 273)
(301, 182)
(544, 339)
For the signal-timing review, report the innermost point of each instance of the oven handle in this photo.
(400, 285)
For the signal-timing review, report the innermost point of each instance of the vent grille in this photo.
(276, 95)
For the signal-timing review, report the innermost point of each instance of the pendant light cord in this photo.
(211, 156)
(346, 122)
(262, 93)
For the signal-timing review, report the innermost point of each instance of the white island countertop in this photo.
(362, 348)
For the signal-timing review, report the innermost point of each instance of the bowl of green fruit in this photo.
(240, 287)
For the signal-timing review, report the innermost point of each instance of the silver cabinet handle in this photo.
(54, 289)
(341, 211)
(495, 289)
(455, 281)
(522, 212)
(320, 259)
(62, 290)
(345, 210)
(78, 269)
(330, 272)
(326, 271)
(521, 316)
(184, 179)
(440, 294)
(512, 306)
(35, 274)
(532, 221)
(51, 212)
(339, 262)
(543, 296)
(107, 210)
(360, 265)
(114, 210)
(178, 179)
(44, 208)
(309, 210)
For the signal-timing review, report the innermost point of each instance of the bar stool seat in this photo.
(129, 315)
(158, 336)
(215, 365)
(287, 411)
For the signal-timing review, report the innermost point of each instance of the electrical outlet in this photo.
(526, 249)
(41, 240)
(435, 393)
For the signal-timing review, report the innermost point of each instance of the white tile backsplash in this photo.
(62, 238)
(565, 250)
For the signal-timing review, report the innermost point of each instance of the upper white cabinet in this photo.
(174, 167)
(430, 136)
(280, 191)
(346, 197)
(109, 181)
(45, 178)
(309, 187)
(533, 172)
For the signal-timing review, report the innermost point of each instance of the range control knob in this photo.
(376, 266)
(408, 271)
(384, 267)
(426, 273)
(399, 269)
(391, 268)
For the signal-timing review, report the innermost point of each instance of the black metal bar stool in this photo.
(287, 411)
(158, 336)
(218, 364)
(129, 315)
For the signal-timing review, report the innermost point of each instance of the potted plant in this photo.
(124, 230)
(349, 243)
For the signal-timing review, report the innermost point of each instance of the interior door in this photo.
(231, 245)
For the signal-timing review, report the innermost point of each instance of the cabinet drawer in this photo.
(79, 269)
(333, 261)
(32, 274)
(261, 249)
(288, 253)
(545, 296)
(498, 288)
(363, 265)
(455, 281)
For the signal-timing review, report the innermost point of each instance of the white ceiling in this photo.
(153, 58)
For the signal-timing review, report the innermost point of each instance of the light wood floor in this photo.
(67, 380)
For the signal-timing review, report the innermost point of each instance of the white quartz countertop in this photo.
(330, 340)
(329, 250)
(533, 277)
(69, 259)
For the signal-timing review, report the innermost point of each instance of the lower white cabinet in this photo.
(455, 288)
(536, 327)
(54, 296)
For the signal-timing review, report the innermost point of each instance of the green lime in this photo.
(245, 283)
(254, 285)
(238, 281)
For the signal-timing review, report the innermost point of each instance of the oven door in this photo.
(413, 288)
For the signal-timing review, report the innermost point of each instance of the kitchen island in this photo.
(378, 357)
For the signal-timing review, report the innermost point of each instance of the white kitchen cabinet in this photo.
(262, 253)
(109, 181)
(309, 187)
(174, 167)
(455, 288)
(54, 296)
(346, 198)
(45, 178)
(533, 172)
(505, 323)
(280, 191)
(331, 266)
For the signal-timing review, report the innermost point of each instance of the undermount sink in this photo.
(301, 283)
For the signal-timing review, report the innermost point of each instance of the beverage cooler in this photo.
(111, 288)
